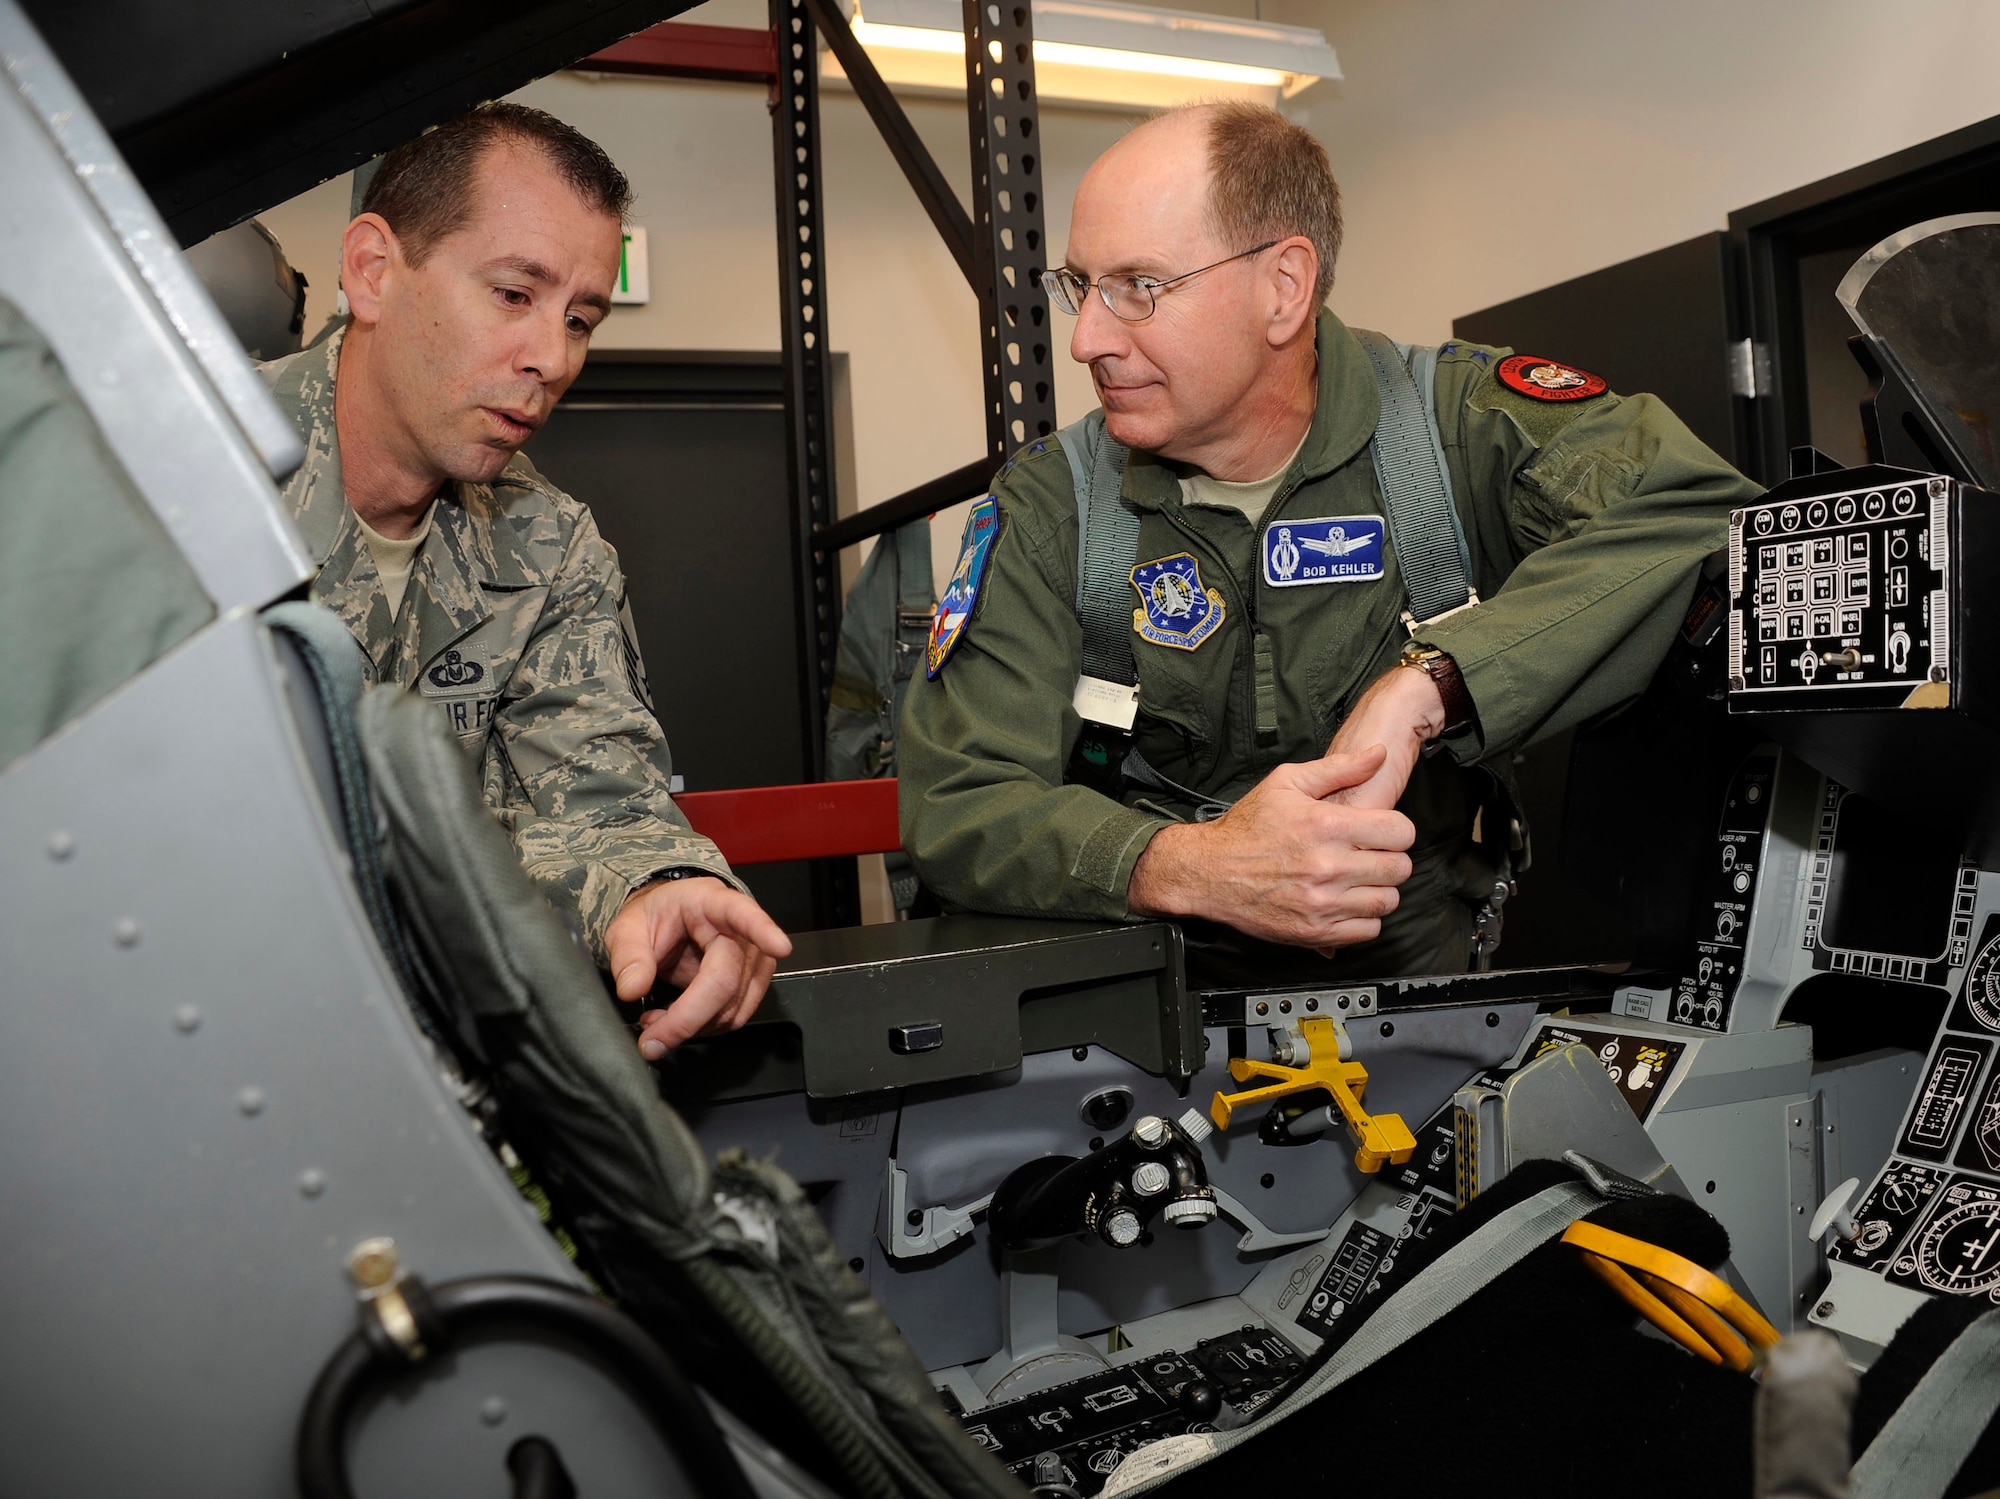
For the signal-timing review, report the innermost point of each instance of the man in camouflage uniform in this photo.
(482, 259)
(1201, 250)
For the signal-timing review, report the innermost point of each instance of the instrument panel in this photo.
(1932, 1220)
(1841, 600)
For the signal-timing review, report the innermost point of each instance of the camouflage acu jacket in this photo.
(515, 627)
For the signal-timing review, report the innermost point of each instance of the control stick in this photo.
(1155, 1170)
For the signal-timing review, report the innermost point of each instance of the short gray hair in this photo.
(1270, 179)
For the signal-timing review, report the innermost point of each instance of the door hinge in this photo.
(1749, 369)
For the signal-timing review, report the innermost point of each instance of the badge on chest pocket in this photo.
(462, 684)
(1175, 607)
(1332, 549)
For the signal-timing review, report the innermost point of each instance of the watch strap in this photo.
(1450, 682)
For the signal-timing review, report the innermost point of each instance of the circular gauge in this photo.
(1960, 1251)
(1982, 986)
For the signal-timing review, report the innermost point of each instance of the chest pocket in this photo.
(466, 682)
(1176, 724)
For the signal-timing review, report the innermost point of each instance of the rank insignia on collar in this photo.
(1333, 549)
(1175, 609)
(954, 610)
(1545, 380)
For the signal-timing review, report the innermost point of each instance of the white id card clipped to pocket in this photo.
(1113, 704)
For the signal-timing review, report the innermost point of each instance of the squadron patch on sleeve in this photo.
(954, 610)
(1176, 609)
(1545, 380)
(1333, 549)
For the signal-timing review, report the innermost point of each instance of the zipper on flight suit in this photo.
(1263, 657)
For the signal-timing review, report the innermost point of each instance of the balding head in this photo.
(1204, 378)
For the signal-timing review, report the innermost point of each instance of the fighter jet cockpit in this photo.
(333, 1169)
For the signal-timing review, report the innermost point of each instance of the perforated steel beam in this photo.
(808, 402)
(1001, 109)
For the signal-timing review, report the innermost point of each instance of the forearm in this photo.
(588, 869)
(1611, 520)
(990, 836)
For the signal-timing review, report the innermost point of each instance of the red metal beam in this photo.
(675, 49)
(771, 824)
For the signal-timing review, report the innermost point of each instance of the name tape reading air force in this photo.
(1333, 549)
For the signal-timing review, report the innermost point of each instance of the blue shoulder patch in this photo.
(954, 610)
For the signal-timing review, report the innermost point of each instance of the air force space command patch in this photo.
(1334, 549)
(1544, 380)
(1175, 609)
(954, 610)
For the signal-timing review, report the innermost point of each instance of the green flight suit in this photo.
(515, 626)
(1586, 521)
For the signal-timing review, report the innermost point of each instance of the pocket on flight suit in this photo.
(1175, 727)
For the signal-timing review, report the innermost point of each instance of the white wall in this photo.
(1484, 151)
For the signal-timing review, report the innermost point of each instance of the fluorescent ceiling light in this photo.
(923, 39)
(1109, 36)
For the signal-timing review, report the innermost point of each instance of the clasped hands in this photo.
(1313, 854)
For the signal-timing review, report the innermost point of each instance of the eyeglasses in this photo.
(1130, 298)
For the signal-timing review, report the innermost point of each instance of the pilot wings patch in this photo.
(1332, 549)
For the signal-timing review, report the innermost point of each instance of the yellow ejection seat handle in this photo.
(1379, 1139)
(1698, 1310)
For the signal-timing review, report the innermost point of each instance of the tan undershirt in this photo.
(1252, 497)
(393, 558)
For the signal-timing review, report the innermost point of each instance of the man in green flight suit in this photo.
(1277, 682)
(481, 262)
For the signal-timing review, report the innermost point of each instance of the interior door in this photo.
(682, 460)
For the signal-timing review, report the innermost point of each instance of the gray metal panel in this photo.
(1861, 1102)
(958, 1143)
(208, 1093)
(446, 1429)
(88, 261)
(1743, 1150)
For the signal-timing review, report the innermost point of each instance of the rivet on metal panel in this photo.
(61, 844)
(250, 1102)
(493, 1410)
(126, 932)
(312, 1182)
(187, 1020)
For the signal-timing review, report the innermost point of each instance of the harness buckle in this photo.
(1412, 623)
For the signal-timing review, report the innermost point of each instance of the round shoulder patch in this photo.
(1545, 380)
